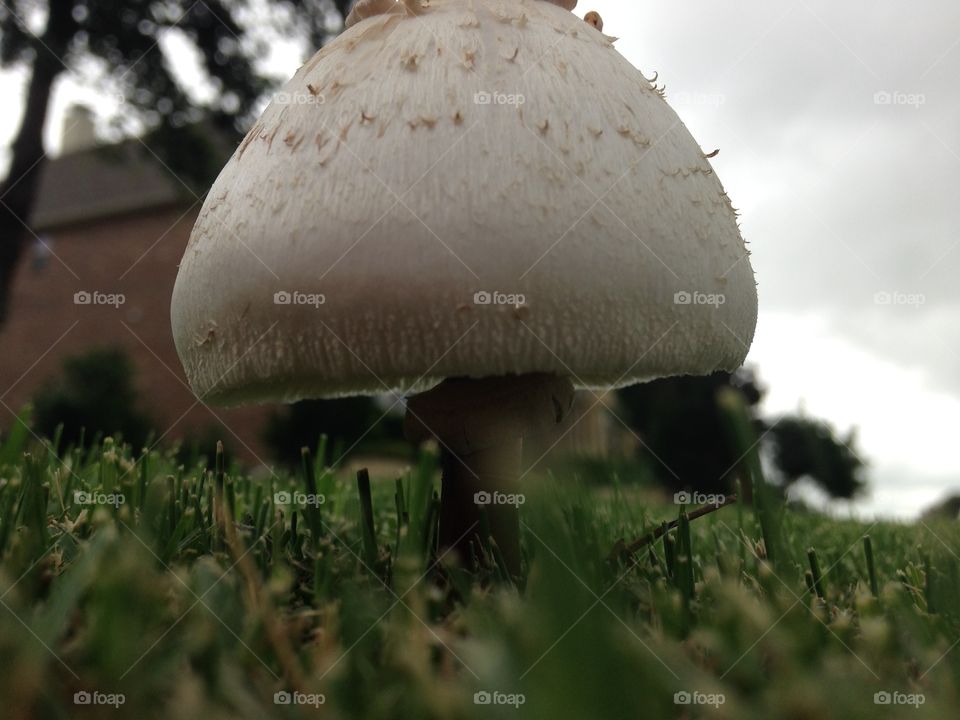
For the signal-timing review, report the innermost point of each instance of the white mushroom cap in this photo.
(421, 163)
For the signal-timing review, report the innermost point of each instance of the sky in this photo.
(838, 126)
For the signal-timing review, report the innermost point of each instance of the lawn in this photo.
(134, 586)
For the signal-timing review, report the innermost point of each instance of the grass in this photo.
(203, 594)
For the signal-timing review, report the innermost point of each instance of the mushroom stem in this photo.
(468, 481)
(480, 426)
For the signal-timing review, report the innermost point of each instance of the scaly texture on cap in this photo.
(476, 188)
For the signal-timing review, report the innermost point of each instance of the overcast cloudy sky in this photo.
(839, 131)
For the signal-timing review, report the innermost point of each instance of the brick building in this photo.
(109, 222)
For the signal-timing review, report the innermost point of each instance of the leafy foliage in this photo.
(804, 448)
(682, 428)
(95, 395)
(120, 44)
(349, 424)
(684, 440)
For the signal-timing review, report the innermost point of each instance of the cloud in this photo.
(847, 199)
(839, 143)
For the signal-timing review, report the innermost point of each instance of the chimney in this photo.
(79, 133)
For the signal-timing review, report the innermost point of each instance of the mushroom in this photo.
(465, 210)
(368, 8)
(593, 18)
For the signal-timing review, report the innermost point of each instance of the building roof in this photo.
(101, 182)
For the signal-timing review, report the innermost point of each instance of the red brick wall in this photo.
(137, 256)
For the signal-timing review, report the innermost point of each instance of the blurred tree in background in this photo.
(95, 394)
(805, 448)
(946, 509)
(685, 441)
(349, 423)
(122, 39)
(682, 430)
(200, 446)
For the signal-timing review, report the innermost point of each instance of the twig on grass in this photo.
(626, 551)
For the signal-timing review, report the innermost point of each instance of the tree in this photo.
(95, 394)
(349, 424)
(682, 431)
(685, 439)
(122, 36)
(946, 509)
(805, 448)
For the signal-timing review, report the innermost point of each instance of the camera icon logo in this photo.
(282, 498)
(482, 698)
(482, 498)
(682, 298)
(482, 298)
(883, 98)
(282, 298)
(82, 298)
(882, 698)
(482, 98)
(81, 498)
(682, 498)
(82, 697)
(682, 698)
(282, 697)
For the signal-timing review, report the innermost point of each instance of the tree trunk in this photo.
(18, 192)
